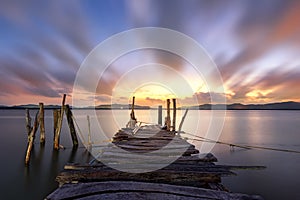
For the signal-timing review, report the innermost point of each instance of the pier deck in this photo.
(190, 176)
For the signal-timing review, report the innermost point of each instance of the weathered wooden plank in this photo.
(141, 190)
(160, 176)
(209, 169)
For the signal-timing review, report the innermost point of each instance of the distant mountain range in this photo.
(236, 106)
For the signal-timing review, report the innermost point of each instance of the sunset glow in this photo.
(255, 46)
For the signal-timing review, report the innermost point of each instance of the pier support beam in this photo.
(69, 115)
(56, 114)
(89, 131)
(174, 115)
(42, 123)
(31, 138)
(182, 120)
(59, 124)
(160, 115)
(28, 122)
(168, 118)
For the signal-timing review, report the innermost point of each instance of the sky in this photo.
(254, 43)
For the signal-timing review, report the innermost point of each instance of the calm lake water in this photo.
(276, 129)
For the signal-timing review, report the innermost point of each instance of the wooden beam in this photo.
(69, 116)
(28, 122)
(182, 120)
(132, 115)
(168, 118)
(159, 115)
(89, 130)
(31, 138)
(59, 124)
(174, 115)
(42, 123)
(56, 114)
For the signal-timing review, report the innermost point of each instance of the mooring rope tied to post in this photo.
(203, 139)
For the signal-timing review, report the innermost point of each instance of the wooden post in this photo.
(69, 116)
(168, 120)
(42, 123)
(89, 130)
(174, 115)
(59, 124)
(182, 120)
(56, 114)
(132, 115)
(28, 122)
(160, 115)
(31, 138)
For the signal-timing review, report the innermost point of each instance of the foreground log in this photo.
(42, 123)
(31, 138)
(59, 124)
(69, 115)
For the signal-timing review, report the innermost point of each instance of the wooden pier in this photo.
(190, 176)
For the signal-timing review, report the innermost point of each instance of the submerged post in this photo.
(28, 122)
(31, 138)
(160, 115)
(56, 114)
(174, 115)
(69, 115)
(132, 121)
(168, 118)
(132, 115)
(59, 124)
(42, 123)
(89, 130)
(182, 120)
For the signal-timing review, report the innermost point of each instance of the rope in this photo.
(203, 139)
(84, 142)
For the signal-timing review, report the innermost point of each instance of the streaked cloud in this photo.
(255, 45)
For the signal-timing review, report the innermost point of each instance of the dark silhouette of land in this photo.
(290, 105)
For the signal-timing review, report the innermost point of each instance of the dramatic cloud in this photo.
(255, 45)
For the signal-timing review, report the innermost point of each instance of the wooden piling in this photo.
(69, 115)
(59, 124)
(174, 115)
(56, 114)
(31, 138)
(160, 115)
(168, 119)
(132, 115)
(89, 130)
(42, 123)
(28, 122)
(182, 120)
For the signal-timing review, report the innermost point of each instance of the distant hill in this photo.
(99, 107)
(290, 105)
